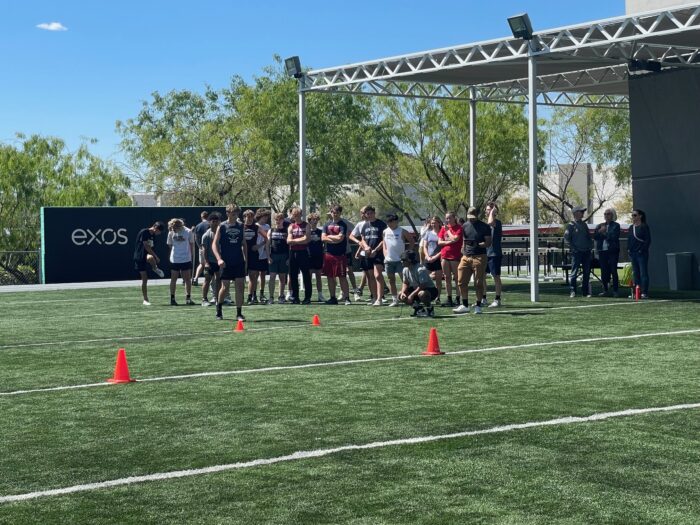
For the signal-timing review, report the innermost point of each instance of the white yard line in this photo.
(366, 360)
(301, 325)
(317, 453)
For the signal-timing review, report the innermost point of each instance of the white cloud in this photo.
(52, 26)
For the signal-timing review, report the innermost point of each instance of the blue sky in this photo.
(76, 83)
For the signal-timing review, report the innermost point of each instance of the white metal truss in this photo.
(583, 64)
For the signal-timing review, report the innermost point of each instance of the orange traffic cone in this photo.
(239, 326)
(316, 321)
(121, 369)
(433, 345)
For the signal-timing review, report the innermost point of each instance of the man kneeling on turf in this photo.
(418, 288)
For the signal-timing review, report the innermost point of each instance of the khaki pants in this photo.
(472, 265)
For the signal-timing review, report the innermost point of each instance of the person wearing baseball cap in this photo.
(476, 236)
(580, 244)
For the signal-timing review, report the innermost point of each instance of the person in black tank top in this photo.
(250, 232)
(230, 251)
(278, 257)
(298, 237)
(316, 253)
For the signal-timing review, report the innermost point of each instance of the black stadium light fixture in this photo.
(520, 26)
(292, 66)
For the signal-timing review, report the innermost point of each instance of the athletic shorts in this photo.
(335, 265)
(393, 266)
(141, 266)
(258, 265)
(433, 292)
(433, 266)
(316, 261)
(368, 263)
(181, 267)
(233, 271)
(494, 265)
(213, 269)
(280, 263)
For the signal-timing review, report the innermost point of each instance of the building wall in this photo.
(664, 120)
(640, 6)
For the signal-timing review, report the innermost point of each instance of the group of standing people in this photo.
(230, 249)
(607, 244)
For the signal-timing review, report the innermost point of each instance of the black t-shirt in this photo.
(496, 236)
(475, 233)
(332, 228)
(199, 232)
(231, 239)
(278, 241)
(251, 237)
(372, 232)
(140, 252)
(315, 242)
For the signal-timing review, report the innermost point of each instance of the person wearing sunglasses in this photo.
(607, 240)
(638, 242)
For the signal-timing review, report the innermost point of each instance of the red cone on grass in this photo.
(121, 369)
(239, 326)
(433, 344)
(316, 321)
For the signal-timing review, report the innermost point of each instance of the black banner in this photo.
(97, 244)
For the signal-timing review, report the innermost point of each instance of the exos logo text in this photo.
(103, 236)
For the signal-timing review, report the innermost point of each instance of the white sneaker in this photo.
(321, 298)
(572, 295)
(422, 313)
(385, 301)
(378, 302)
(160, 273)
(495, 304)
(288, 297)
(461, 309)
(146, 303)
(346, 301)
(205, 302)
(394, 302)
(477, 309)
(357, 297)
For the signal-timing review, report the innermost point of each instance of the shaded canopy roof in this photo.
(584, 64)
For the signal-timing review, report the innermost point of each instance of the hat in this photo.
(472, 213)
(579, 208)
(392, 217)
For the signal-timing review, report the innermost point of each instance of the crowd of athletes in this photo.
(269, 248)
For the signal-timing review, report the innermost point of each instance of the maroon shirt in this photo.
(298, 231)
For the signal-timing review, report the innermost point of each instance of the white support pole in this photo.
(472, 146)
(302, 149)
(532, 135)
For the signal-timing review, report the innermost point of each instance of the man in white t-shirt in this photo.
(181, 244)
(395, 241)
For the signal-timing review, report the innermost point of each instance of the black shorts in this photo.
(316, 261)
(181, 267)
(258, 265)
(213, 269)
(141, 266)
(494, 265)
(231, 271)
(368, 263)
(433, 292)
(433, 266)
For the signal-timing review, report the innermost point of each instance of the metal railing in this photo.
(20, 268)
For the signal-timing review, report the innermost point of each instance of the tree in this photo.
(42, 172)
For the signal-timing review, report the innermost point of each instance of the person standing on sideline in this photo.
(359, 253)
(211, 268)
(418, 289)
(279, 257)
(316, 253)
(395, 241)
(494, 254)
(607, 240)
(371, 243)
(230, 250)
(349, 253)
(431, 257)
(298, 236)
(450, 242)
(335, 235)
(145, 256)
(181, 243)
(199, 232)
(580, 244)
(251, 232)
(638, 242)
(476, 236)
(262, 219)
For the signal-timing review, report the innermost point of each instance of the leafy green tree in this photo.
(40, 171)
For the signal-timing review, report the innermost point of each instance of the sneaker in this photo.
(189, 302)
(416, 311)
(272, 301)
(249, 301)
(422, 313)
(385, 301)
(321, 299)
(240, 317)
(572, 295)
(255, 299)
(306, 301)
(477, 309)
(495, 304)
(378, 302)
(295, 301)
(146, 303)
(160, 273)
(437, 302)
(644, 296)
(431, 311)
(461, 309)
(263, 299)
(588, 295)
(219, 317)
(205, 302)
(346, 301)
(332, 300)
(281, 299)
(289, 296)
(358, 296)
(394, 302)
(173, 302)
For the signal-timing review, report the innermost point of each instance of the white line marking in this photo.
(308, 454)
(360, 361)
(301, 325)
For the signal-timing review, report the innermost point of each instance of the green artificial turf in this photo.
(637, 469)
